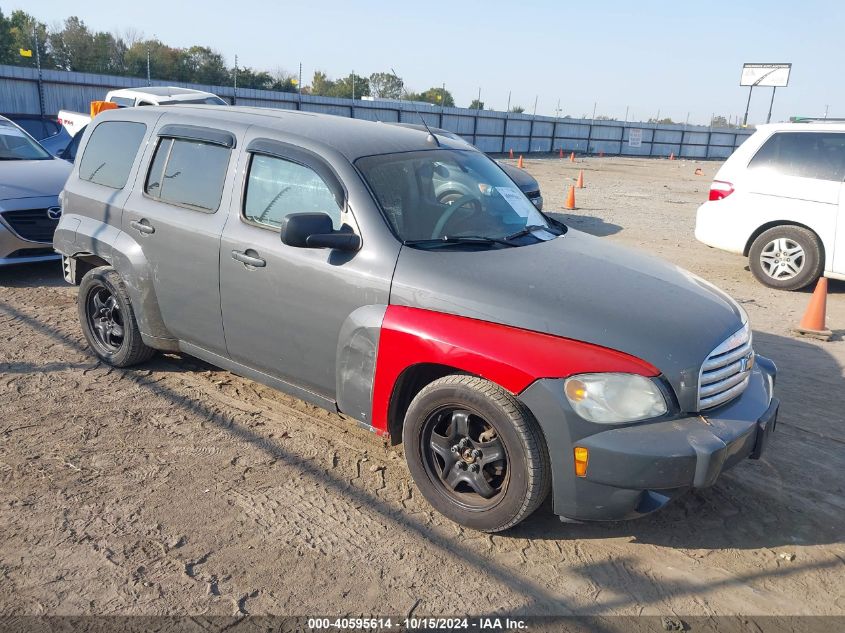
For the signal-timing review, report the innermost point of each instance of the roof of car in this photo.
(162, 91)
(814, 126)
(353, 138)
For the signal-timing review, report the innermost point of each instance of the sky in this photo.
(680, 58)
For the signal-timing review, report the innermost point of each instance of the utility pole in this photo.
(595, 103)
(148, 63)
(626, 113)
(299, 86)
(535, 104)
(508, 109)
(825, 111)
(235, 95)
(479, 98)
(353, 84)
(38, 66)
(557, 110)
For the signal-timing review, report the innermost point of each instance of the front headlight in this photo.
(614, 398)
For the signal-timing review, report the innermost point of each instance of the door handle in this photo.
(143, 226)
(249, 257)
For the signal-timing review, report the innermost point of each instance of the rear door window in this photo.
(110, 152)
(819, 155)
(188, 172)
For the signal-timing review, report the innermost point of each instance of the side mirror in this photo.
(316, 230)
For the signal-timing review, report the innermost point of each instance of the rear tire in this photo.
(786, 257)
(476, 453)
(108, 321)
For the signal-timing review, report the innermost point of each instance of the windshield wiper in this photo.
(529, 230)
(457, 239)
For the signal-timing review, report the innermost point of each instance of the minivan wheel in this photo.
(786, 257)
(476, 453)
(108, 321)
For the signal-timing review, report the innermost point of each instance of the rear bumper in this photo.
(639, 468)
(716, 225)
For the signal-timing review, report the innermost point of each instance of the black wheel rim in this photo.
(105, 319)
(465, 457)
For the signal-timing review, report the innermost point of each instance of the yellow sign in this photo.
(25, 52)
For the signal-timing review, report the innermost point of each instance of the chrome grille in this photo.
(726, 371)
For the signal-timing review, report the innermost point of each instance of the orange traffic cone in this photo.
(672, 156)
(511, 153)
(572, 157)
(519, 162)
(580, 182)
(561, 152)
(570, 198)
(813, 323)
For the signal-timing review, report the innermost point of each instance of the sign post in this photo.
(774, 75)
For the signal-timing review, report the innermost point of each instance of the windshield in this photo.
(444, 195)
(16, 145)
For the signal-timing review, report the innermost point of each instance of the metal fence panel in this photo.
(490, 131)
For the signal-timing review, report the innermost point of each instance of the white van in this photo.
(780, 200)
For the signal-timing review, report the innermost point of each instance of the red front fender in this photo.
(509, 356)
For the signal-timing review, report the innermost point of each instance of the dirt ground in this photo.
(177, 488)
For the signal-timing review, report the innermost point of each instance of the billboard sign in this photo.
(775, 75)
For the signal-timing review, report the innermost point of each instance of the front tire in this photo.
(786, 257)
(108, 321)
(476, 453)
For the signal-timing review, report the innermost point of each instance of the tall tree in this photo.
(386, 85)
(476, 105)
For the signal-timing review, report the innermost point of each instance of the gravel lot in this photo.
(177, 488)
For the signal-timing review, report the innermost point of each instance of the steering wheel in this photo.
(453, 207)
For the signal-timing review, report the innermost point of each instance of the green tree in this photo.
(665, 120)
(21, 26)
(518, 109)
(351, 85)
(386, 85)
(321, 85)
(438, 96)
(476, 105)
(719, 121)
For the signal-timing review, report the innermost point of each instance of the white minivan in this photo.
(780, 201)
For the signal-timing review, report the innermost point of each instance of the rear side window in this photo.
(188, 172)
(123, 102)
(277, 187)
(110, 152)
(818, 155)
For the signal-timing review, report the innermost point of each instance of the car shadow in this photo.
(761, 504)
(587, 223)
(771, 502)
(42, 274)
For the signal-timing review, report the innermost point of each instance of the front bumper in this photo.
(637, 469)
(15, 249)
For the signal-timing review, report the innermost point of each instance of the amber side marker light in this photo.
(582, 455)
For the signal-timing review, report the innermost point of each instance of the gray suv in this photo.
(511, 354)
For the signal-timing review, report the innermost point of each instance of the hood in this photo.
(32, 178)
(525, 181)
(584, 288)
